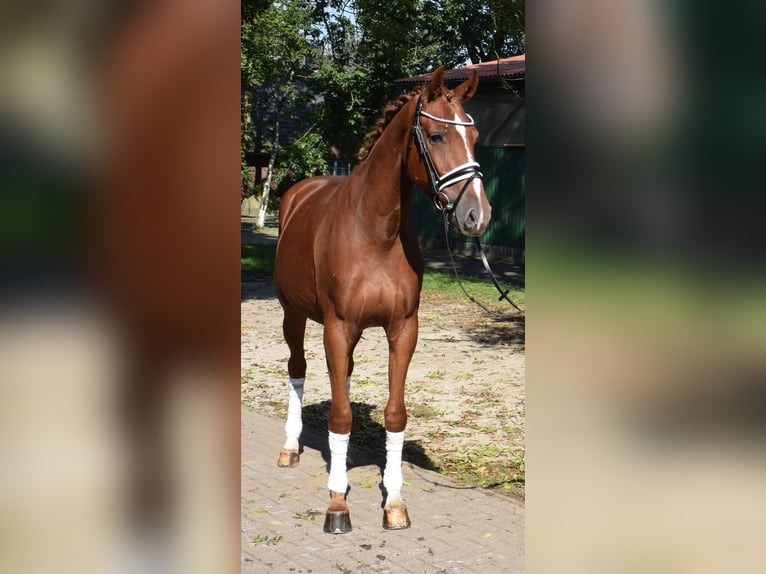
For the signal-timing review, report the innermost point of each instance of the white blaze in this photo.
(476, 183)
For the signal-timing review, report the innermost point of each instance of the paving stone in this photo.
(453, 529)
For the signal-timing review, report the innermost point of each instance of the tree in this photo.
(492, 29)
(330, 65)
(274, 53)
(251, 8)
(363, 46)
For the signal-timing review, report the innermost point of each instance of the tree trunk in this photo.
(273, 158)
(267, 181)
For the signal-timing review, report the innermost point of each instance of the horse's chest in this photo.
(374, 299)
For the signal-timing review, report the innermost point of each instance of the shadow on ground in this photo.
(368, 438)
(508, 330)
(257, 288)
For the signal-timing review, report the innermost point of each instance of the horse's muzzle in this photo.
(473, 221)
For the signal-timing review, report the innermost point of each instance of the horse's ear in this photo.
(467, 89)
(436, 85)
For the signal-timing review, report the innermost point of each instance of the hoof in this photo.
(289, 458)
(337, 523)
(396, 518)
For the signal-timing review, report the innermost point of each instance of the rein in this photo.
(468, 172)
(495, 282)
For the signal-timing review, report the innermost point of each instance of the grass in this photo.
(489, 467)
(482, 289)
(258, 261)
(366, 383)
(268, 539)
(424, 411)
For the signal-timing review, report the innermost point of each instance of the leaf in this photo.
(268, 539)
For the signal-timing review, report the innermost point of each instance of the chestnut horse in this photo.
(348, 259)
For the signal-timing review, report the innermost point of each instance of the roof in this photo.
(510, 68)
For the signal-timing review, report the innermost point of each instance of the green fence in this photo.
(503, 169)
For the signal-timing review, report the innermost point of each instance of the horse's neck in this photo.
(382, 197)
(382, 186)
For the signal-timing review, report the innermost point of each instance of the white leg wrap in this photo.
(392, 475)
(338, 480)
(294, 424)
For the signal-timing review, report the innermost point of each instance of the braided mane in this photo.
(389, 112)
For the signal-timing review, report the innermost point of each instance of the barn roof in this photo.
(509, 68)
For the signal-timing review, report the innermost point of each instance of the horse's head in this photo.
(440, 156)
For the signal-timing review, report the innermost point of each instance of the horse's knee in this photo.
(395, 417)
(296, 367)
(340, 418)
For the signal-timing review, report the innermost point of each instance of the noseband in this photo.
(467, 171)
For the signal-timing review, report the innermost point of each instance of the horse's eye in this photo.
(436, 137)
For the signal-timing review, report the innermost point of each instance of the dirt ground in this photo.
(464, 395)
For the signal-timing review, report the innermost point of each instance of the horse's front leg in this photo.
(402, 339)
(339, 343)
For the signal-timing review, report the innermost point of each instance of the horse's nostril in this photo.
(473, 218)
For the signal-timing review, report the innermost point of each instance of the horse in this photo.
(347, 258)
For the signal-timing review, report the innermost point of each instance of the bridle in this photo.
(467, 171)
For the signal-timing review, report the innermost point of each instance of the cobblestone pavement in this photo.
(453, 529)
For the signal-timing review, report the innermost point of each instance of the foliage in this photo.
(257, 260)
(481, 288)
(269, 539)
(343, 115)
(492, 28)
(365, 47)
(251, 8)
(305, 157)
(273, 57)
(329, 66)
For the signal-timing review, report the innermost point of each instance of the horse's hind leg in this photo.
(294, 329)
